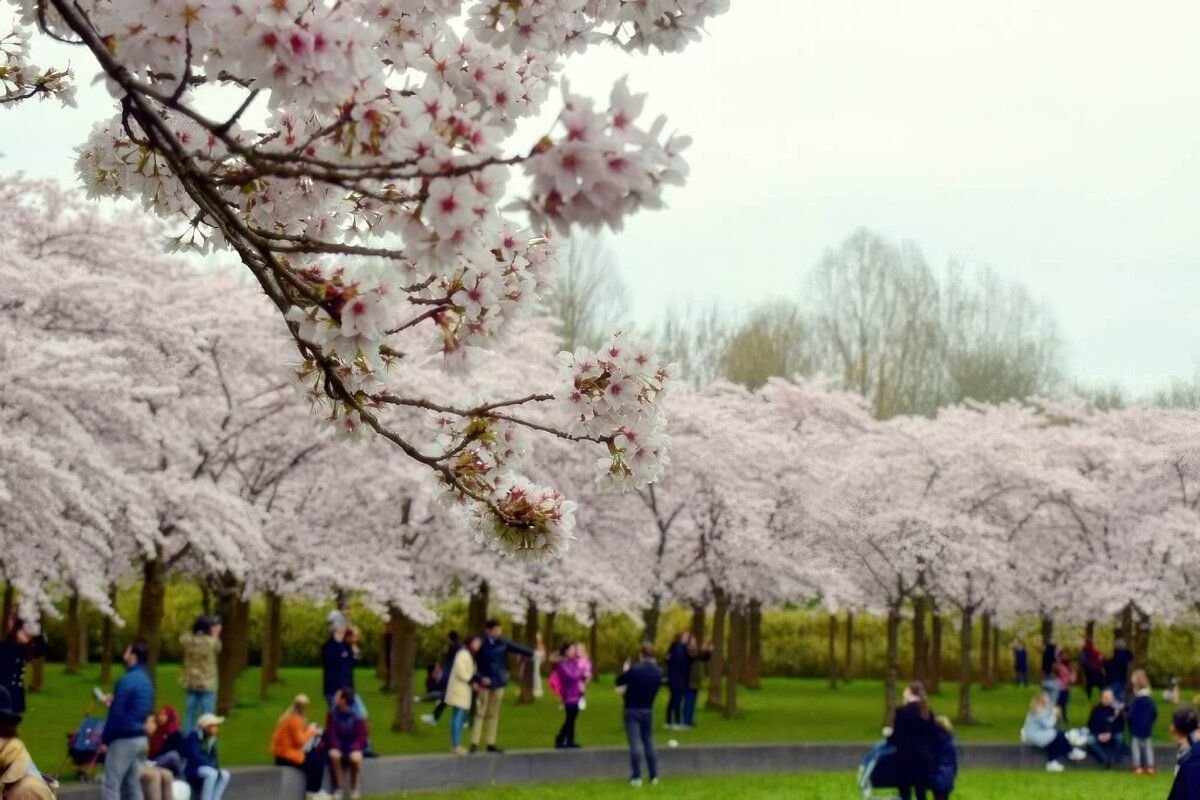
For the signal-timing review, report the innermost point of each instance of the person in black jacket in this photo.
(1104, 730)
(1049, 656)
(679, 670)
(492, 668)
(915, 737)
(447, 667)
(641, 683)
(1187, 772)
(1116, 669)
(14, 652)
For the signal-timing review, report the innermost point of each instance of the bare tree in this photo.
(591, 300)
(695, 339)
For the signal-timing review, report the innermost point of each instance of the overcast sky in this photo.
(1056, 142)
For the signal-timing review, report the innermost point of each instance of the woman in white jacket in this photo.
(459, 688)
(1041, 730)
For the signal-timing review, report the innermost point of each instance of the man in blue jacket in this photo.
(642, 682)
(491, 668)
(124, 735)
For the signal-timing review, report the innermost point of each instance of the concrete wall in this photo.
(398, 773)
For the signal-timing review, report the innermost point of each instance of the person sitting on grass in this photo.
(19, 778)
(1187, 772)
(1104, 730)
(1142, 716)
(1041, 731)
(641, 683)
(945, 760)
(203, 768)
(345, 743)
(291, 745)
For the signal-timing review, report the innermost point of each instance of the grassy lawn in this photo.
(784, 710)
(990, 785)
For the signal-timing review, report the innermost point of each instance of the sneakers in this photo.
(654, 781)
(459, 751)
(474, 748)
(635, 782)
(428, 719)
(1077, 754)
(491, 748)
(1054, 766)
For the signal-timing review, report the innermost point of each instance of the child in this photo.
(945, 760)
(1142, 715)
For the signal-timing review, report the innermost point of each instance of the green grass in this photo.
(784, 710)
(983, 785)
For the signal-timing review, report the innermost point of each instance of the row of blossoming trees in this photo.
(150, 433)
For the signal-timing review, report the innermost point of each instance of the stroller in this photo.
(84, 747)
(878, 771)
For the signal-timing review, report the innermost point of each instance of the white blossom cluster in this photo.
(21, 80)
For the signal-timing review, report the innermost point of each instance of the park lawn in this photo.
(984, 785)
(784, 710)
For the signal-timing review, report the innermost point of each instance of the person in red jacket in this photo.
(345, 742)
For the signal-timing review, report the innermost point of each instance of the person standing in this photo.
(679, 673)
(1116, 669)
(1064, 678)
(642, 682)
(1186, 785)
(1020, 662)
(14, 654)
(199, 673)
(131, 702)
(570, 682)
(491, 665)
(1142, 716)
(460, 688)
(291, 745)
(539, 656)
(203, 768)
(1049, 656)
(337, 664)
(915, 737)
(19, 778)
(1092, 661)
(701, 655)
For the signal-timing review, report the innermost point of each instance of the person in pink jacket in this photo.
(570, 679)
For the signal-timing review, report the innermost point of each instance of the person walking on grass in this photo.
(1143, 713)
(569, 673)
(641, 682)
(199, 673)
(203, 769)
(292, 746)
(346, 743)
(492, 668)
(124, 734)
(460, 688)
(1186, 785)
(1041, 731)
(915, 737)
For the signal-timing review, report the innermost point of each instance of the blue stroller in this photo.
(878, 771)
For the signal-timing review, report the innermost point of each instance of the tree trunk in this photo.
(934, 682)
(964, 668)
(1047, 629)
(849, 671)
(920, 654)
(107, 643)
(235, 647)
(206, 601)
(477, 610)
(594, 635)
(37, 674)
(548, 640)
(716, 665)
(699, 614)
(752, 671)
(985, 651)
(893, 663)
(650, 617)
(404, 663)
(150, 610)
(72, 664)
(272, 643)
(1125, 631)
(530, 631)
(737, 656)
(833, 665)
(1089, 631)
(1141, 642)
(995, 653)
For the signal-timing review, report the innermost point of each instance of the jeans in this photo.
(1107, 753)
(675, 706)
(121, 768)
(566, 734)
(689, 707)
(1118, 690)
(199, 702)
(458, 721)
(171, 760)
(213, 783)
(1143, 753)
(1022, 678)
(639, 730)
(313, 769)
